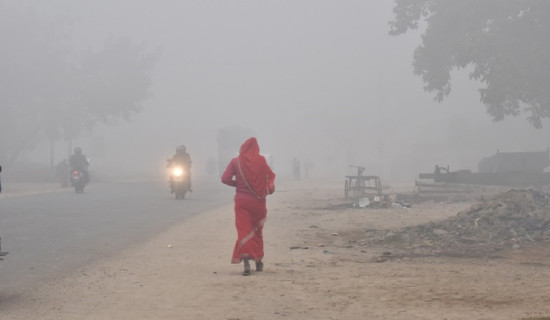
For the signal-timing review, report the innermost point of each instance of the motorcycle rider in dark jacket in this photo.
(182, 158)
(79, 162)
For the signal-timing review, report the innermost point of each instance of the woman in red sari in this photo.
(253, 180)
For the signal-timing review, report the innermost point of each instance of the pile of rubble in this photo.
(508, 220)
(384, 201)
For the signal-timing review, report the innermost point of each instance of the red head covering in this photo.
(254, 169)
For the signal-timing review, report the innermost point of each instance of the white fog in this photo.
(317, 80)
(394, 191)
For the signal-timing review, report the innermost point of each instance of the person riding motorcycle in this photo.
(181, 158)
(79, 162)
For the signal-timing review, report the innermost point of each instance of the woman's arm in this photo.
(270, 181)
(229, 174)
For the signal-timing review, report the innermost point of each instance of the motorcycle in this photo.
(180, 181)
(78, 181)
(2, 253)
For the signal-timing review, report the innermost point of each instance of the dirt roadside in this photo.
(312, 271)
(18, 189)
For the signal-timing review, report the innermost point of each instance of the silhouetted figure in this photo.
(182, 158)
(79, 162)
(296, 168)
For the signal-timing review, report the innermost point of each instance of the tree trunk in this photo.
(69, 147)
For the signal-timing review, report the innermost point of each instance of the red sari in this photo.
(253, 180)
(250, 216)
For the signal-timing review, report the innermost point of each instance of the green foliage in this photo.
(502, 42)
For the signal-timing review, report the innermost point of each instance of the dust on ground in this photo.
(481, 255)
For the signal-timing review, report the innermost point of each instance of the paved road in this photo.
(50, 234)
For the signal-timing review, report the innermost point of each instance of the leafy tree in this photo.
(504, 43)
(114, 81)
(50, 90)
(31, 58)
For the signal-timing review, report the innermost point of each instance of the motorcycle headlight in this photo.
(177, 172)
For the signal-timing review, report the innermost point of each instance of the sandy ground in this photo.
(312, 271)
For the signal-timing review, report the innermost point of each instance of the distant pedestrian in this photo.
(253, 179)
(296, 168)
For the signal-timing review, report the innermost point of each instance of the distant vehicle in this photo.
(78, 181)
(2, 253)
(180, 181)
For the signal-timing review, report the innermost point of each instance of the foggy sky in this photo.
(317, 79)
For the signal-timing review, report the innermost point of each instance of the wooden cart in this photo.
(359, 185)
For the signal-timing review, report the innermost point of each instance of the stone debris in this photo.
(505, 221)
(383, 201)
